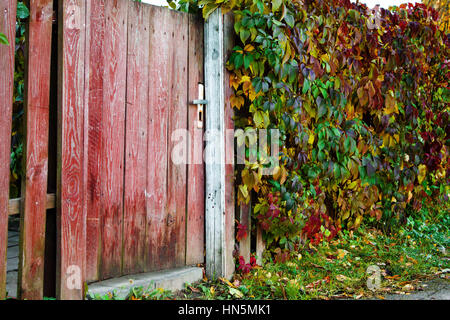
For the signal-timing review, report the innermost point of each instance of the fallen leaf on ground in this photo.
(341, 253)
(408, 287)
(235, 292)
(194, 289)
(225, 281)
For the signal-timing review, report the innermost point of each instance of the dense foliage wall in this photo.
(361, 98)
(362, 102)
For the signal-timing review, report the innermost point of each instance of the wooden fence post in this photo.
(219, 202)
(34, 186)
(71, 209)
(7, 27)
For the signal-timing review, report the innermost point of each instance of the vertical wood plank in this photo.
(95, 64)
(245, 219)
(71, 231)
(177, 168)
(158, 113)
(260, 246)
(195, 228)
(228, 30)
(215, 147)
(8, 27)
(136, 139)
(34, 191)
(219, 152)
(113, 137)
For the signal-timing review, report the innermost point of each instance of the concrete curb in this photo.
(172, 280)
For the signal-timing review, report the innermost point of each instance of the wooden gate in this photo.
(128, 74)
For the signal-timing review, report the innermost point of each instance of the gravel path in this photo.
(437, 289)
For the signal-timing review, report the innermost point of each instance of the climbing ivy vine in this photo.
(361, 98)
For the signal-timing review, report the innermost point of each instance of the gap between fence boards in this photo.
(14, 204)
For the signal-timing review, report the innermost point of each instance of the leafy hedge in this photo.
(362, 102)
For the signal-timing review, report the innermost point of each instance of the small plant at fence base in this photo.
(361, 99)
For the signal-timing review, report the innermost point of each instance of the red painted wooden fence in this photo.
(7, 27)
(127, 74)
(37, 100)
(71, 205)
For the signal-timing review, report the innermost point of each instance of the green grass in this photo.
(336, 269)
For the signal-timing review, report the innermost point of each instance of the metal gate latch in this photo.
(200, 103)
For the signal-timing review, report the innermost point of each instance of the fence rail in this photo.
(14, 206)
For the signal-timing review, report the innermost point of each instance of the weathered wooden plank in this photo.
(215, 149)
(260, 245)
(246, 221)
(177, 166)
(136, 139)
(37, 99)
(113, 137)
(228, 30)
(159, 71)
(71, 231)
(95, 34)
(15, 204)
(195, 229)
(219, 203)
(7, 27)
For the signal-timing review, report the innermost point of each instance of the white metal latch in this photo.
(200, 103)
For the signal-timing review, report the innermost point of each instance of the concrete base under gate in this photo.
(172, 280)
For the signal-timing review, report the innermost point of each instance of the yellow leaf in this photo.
(422, 173)
(245, 79)
(237, 101)
(391, 104)
(311, 139)
(353, 185)
(249, 48)
(341, 253)
(228, 283)
(358, 221)
(346, 215)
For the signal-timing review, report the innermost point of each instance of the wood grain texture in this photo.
(215, 147)
(260, 246)
(136, 139)
(15, 205)
(37, 100)
(7, 26)
(71, 230)
(159, 104)
(177, 174)
(245, 220)
(113, 137)
(230, 202)
(95, 63)
(195, 228)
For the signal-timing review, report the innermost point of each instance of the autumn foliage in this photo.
(361, 98)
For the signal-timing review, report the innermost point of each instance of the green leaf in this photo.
(289, 20)
(238, 61)
(208, 9)
(247, 60)
(276, 4)
(22, 11)
(306, 86)
(3, 39)
(244, 34)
